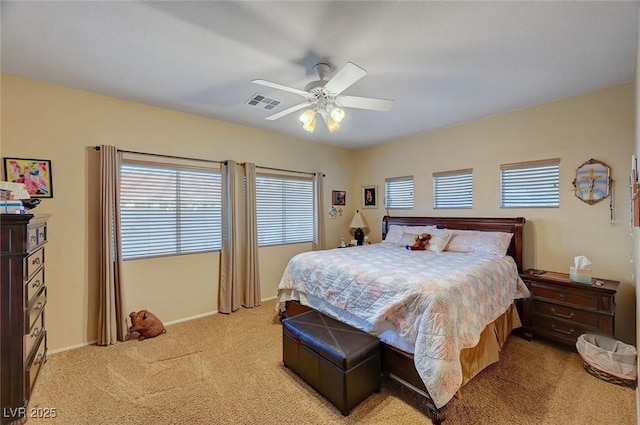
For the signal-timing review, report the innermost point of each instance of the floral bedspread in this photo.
(439, 303)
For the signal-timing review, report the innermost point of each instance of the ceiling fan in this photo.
(324, 97)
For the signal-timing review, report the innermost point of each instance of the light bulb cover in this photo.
(307, 116)
(337, 114)
(333, 125)
(310, 126)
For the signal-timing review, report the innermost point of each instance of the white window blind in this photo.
(169, 210)
(530, 184)
(453, 189)
(399, 193)
(285, 212)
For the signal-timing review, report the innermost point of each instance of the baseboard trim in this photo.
(186, 319)
(70, 347)
(173, 322)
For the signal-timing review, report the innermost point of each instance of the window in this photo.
(284, 209)
(399, 193)
(530, 184)
(169, 210)
(453, 189)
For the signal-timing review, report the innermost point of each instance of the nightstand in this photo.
(562, 310)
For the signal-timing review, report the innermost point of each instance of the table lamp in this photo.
(358, 222)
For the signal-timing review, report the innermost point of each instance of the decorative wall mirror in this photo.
(592, 181)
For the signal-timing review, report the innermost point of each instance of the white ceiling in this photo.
(443, 63)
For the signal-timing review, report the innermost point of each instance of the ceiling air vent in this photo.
(263, 101)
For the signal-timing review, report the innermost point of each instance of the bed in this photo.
(423, 305)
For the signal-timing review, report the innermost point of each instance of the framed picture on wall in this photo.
(370, 196)
(338, 197)
(35, 174)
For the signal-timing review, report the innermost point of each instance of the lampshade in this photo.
(358, 221)
(333, 125)
(332, 117)
(337, 114)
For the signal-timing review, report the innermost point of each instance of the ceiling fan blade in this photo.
(288, 111)
(365, 103)
(348, 74)
(280, 87)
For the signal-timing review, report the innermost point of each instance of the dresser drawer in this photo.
(32, 337)
(33, 285)
(566, 313)
(567, 331)
(34, 309)
(566, 296)
(37, 236)
(34, 262)
(34, 364)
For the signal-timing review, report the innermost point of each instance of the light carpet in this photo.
(227, 369)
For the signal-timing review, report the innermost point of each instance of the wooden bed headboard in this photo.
(508, 224)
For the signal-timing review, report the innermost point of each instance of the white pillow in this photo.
(394, 234)
(417, 230)
(407, 239)
(494, 243)
(439, 239)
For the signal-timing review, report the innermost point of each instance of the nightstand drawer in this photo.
(567, 331)
(563, 312)
(563, 295)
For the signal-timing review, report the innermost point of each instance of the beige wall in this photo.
(51, 122)
(45, 121)
(596, 125)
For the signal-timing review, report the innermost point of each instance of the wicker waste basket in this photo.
(608, 359)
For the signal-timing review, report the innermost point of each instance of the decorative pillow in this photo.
(494, 243)
(407, 239)
(418, 230)
(439, 239)
(394, 234)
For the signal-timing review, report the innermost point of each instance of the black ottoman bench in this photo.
(340, 362)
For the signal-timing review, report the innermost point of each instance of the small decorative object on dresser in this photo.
(562, 310)
(23, 297)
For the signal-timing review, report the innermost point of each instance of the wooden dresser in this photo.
(23, 296)
(562, 310)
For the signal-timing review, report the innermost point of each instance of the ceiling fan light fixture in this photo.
(337, 115)
(307, 116)
(333, 125)
(311, 125)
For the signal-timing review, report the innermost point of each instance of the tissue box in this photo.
(580, 275)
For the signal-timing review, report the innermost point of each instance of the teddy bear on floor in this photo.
(146, 324)
(421, 242)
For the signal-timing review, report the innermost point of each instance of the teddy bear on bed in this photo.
(421, 242)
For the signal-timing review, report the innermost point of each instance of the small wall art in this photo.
(370, 196)
(35, 174)
(338, 197)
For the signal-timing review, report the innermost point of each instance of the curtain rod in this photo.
(204, 160)
(287, 171)
(166, 156)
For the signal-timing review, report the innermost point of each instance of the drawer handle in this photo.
(35, 261)
(566, 316)
(561, 331)
(35, 332)
(561, 297)
(39, 359)
(36, 284)
(34, 238)
(42, 235)
(38, 306)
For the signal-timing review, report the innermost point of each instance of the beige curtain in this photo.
(251, 293)
(239, 273)
(112, 323)
(318, 199)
